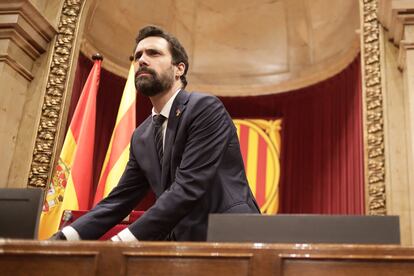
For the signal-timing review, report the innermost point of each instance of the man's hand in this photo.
(58, 236)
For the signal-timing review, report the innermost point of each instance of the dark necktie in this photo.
(158, 120)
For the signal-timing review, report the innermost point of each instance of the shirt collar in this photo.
(165, 111)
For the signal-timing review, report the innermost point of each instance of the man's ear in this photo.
(180, 69)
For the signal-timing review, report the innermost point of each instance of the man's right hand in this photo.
(58, 236)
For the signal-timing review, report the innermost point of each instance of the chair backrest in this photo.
(20, 212)
(304, 229)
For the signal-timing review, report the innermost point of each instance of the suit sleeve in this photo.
(208, 134)
(131, 188)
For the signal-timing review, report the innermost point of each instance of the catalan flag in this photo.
(72, 181)
(260, 142)
(118, 150)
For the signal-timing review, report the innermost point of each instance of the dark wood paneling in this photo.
(202, 259)
(182, 266)
(347, 267)
(61, 264)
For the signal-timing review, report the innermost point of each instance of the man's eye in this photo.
(137, 56)
(153, 53)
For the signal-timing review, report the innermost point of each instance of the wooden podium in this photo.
(20, 257)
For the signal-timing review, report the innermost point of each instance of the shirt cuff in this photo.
(71, 234)
(125, 236)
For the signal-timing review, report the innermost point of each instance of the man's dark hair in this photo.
(178, 52)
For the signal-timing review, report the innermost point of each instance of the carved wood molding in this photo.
(402, 53)
(25, 34)
(407, 44)
(396, 16)
(373, 110)
(51, 114)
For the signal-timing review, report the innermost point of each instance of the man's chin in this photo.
(145, 87)
(148, 92)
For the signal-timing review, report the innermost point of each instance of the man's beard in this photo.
(154, 84)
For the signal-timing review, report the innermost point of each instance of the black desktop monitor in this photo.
(20, 212)
(304, 229)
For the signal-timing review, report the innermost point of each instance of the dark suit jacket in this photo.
(202, 173)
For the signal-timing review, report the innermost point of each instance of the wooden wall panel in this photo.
(187, 265)
(343, 267)
(202, 259)
(45, 264)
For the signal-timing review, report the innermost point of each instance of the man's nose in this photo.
(143, 61)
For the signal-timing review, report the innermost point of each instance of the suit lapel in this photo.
(174, 119)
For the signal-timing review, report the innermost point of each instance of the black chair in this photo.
(304, 229)
(20, 212)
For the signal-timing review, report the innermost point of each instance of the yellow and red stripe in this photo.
(260, 145)
(118, 150)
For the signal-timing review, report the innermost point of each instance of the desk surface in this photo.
(20, 257)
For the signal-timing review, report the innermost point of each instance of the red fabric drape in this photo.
(322, 148)
(322, 145)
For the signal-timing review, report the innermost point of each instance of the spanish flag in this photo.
(118, 150)
(72, 181)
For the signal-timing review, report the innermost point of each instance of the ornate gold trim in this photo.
(51, 115)
(373, 109)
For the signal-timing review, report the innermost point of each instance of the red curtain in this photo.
(322, 148)
(322, 145)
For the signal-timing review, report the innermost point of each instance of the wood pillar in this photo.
(397, 19)
(25, 35)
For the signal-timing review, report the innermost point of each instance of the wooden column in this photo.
(397, 19)
(407, 65)
(25, 35)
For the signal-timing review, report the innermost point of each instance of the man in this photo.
(187, 152)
